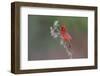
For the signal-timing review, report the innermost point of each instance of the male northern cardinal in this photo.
(64, 33)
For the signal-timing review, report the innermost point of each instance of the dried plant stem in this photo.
(68, 51)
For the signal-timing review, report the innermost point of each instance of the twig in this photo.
(68, 51)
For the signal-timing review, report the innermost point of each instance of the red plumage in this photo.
(64, 33)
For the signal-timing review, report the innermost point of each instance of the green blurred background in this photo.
(41, 46)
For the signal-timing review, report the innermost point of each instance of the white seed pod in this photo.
(56, 23)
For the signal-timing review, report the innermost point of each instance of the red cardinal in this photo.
(64, 33)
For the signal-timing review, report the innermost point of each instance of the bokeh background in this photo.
(41, 46)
